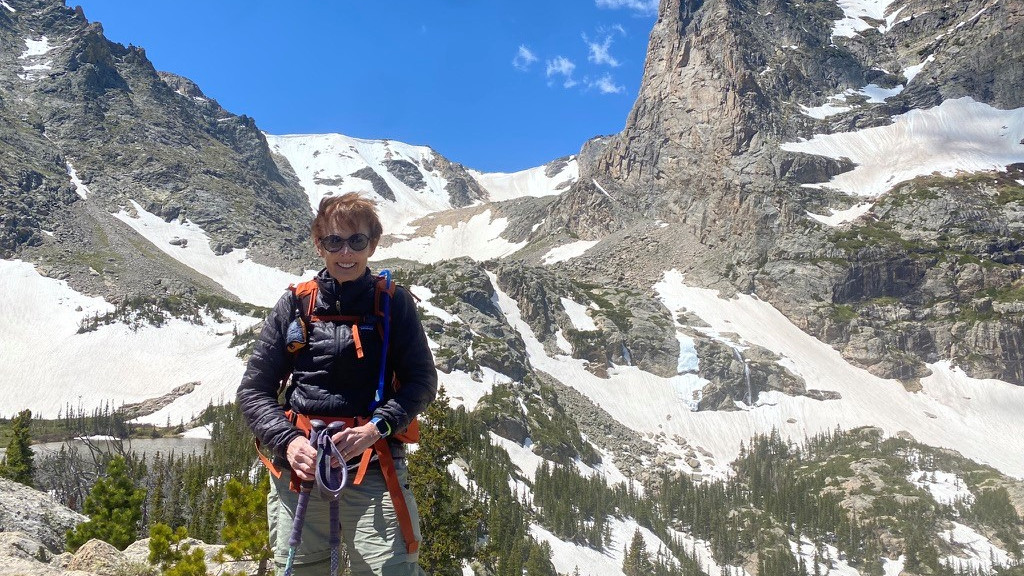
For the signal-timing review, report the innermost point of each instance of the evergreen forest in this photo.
(840, 498)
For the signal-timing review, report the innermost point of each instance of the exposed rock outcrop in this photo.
(26, 510)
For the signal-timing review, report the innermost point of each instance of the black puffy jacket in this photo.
(328, 379)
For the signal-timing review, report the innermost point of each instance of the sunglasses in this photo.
(357, 242)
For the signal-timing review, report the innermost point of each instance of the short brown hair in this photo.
(349, 210)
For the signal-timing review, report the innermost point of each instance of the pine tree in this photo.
(17, 464)
(245, 522)
(448, 519)
(171, 551)
(637, 561)
(538, 562)
(114, 507)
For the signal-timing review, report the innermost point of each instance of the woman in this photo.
(335, 373)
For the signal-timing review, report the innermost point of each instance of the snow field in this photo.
(251, 282)
(957, 136)
(325, 163)
(978, 418)
(47, 370)
(977, 552)
(478, 238)
(530, 182)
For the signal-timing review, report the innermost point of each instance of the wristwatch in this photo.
(383, 428)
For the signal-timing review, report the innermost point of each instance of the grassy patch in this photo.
(843, 313)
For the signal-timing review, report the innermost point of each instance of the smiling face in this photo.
(345, 264)
(341, 217)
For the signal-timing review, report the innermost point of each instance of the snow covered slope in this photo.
(330, 164)
(957, 136)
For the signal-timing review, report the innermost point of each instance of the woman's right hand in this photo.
(302, 458)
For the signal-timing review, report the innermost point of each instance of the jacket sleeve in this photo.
(412, 362)
(269, 364)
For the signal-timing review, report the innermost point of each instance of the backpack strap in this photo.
(305, 294)
(383, 292)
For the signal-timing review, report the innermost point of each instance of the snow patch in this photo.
(203, 432)
(855, 12)
(874, 93)
(977, 553)
(251, 282)
(36, 47)
(478, 238)
(878, 95)
(424, 295)
(945, 487)
(8, 6)
(978, 418)
(578, 315)
(80, 188)
(533, 182)
(825, 110)
(567, 557)
(838, 217)
(94, 367)
(958, 136)
(911, 72)
(834, 563)
(465, 389)
(567, 251)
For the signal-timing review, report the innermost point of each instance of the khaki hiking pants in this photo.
(369, 528)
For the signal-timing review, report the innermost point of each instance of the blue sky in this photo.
(497, 85)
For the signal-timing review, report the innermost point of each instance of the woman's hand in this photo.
(302, 458)
(352, 442)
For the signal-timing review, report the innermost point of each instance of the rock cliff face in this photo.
(94, 128)
(699, 168)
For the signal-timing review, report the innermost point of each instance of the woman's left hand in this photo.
(352, 442)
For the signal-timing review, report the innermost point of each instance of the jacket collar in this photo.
(345, 291)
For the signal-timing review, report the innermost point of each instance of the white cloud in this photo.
(647, 7)
(606, 85)
(524, 58)
(600, 52)
(561, 66)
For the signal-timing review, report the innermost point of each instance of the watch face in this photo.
(382, 427)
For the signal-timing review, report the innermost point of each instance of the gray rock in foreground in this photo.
(23, 509)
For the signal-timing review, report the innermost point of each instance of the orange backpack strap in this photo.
(387, 466)
(305, 293)
(267, 460)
